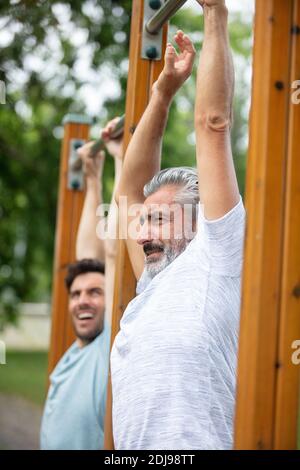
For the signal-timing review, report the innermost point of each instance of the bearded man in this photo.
(173, 362)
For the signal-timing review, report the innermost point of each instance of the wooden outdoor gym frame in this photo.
(268, 382)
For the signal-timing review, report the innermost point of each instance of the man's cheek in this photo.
(166, 231)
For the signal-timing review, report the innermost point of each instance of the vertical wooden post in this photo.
(142, 74)
(288, 376)
(69, 209)
(269, 319)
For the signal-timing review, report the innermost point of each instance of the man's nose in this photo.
(83, 298)
(144, 234)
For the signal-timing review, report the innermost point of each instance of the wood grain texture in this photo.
(265, 204)
(288, 374)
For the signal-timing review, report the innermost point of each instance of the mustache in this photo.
(86, 308)
(150, 247)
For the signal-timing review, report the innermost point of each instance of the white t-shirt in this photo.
(173, 362)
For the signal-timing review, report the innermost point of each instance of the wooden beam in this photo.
(266, 176)
(142, 74)
(69, 209)
(288, 374)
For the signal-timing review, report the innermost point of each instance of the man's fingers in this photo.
(170, 56)
(179, 39)
(109, 128)
(184, 43)
(189, 46)
(211, 3)
(83, 151)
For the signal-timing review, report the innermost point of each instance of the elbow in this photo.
(213, 121)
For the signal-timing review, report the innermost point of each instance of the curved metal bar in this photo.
(99, 144)
(165, 12)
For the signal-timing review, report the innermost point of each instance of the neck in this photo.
(83, 342)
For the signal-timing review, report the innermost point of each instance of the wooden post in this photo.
(288, 375)
(142, 74)
(269, 317)
(69, 209)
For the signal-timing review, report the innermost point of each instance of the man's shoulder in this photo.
(66, 357)
(101, 345)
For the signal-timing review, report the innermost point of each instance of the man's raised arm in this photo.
(143, 155)
(218, 186)
(88, 245)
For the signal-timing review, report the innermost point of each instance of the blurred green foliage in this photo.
(39, 96)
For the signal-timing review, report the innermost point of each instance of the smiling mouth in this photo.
(154, 252)
(153, 256)
(150, 250)
(85, 316)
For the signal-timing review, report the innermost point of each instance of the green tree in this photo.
(38, 65)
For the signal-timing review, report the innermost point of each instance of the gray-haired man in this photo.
(173, 362)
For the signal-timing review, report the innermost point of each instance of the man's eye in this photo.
(96, 292)
(157, 218)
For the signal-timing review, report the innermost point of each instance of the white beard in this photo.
(170, 253)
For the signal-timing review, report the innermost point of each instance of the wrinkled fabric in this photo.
(173, 362)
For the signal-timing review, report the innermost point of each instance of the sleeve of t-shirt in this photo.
(221, 241)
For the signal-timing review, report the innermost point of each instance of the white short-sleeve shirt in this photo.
(173, 362)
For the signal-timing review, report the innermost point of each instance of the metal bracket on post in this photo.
(151, 43)
(75, 178)
(75, 173)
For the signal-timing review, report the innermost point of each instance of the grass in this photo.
(25, 375)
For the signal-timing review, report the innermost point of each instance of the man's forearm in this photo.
(143, 156)
(112, 217)
(88, 244)
(215, 83)
(111, 245)
(213, 116)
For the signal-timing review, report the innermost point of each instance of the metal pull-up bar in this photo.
(99, 144)
(165, 12)
(156, 14)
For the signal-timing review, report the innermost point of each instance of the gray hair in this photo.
(186, 178)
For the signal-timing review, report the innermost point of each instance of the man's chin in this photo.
(87, 337)
(87, 334)
(155, 266)
(158, 261)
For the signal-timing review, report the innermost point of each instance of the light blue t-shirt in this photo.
(75, 408)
